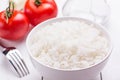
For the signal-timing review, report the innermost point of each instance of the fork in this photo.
(16, 60)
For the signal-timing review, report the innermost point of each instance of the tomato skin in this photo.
(36, 14)
(15, 28)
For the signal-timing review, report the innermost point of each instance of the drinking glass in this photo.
(94, 10)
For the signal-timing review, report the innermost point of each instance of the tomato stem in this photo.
(9, 10)
(37, 2)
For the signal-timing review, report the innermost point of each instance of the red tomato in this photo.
(15, 27)
(40, 10)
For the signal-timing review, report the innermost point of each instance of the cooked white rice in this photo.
(69, 45)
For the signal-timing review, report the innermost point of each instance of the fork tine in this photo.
(25, 66)
(21, 64)
(21, 73)
(18, 56)
(15, 67)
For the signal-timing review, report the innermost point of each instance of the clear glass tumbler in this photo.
(95, 10)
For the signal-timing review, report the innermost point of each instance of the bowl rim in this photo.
(67, 18)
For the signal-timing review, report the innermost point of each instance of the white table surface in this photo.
(110, 72)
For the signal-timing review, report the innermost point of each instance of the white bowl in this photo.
(54, 74)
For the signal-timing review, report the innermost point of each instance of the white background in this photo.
(110, 72)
